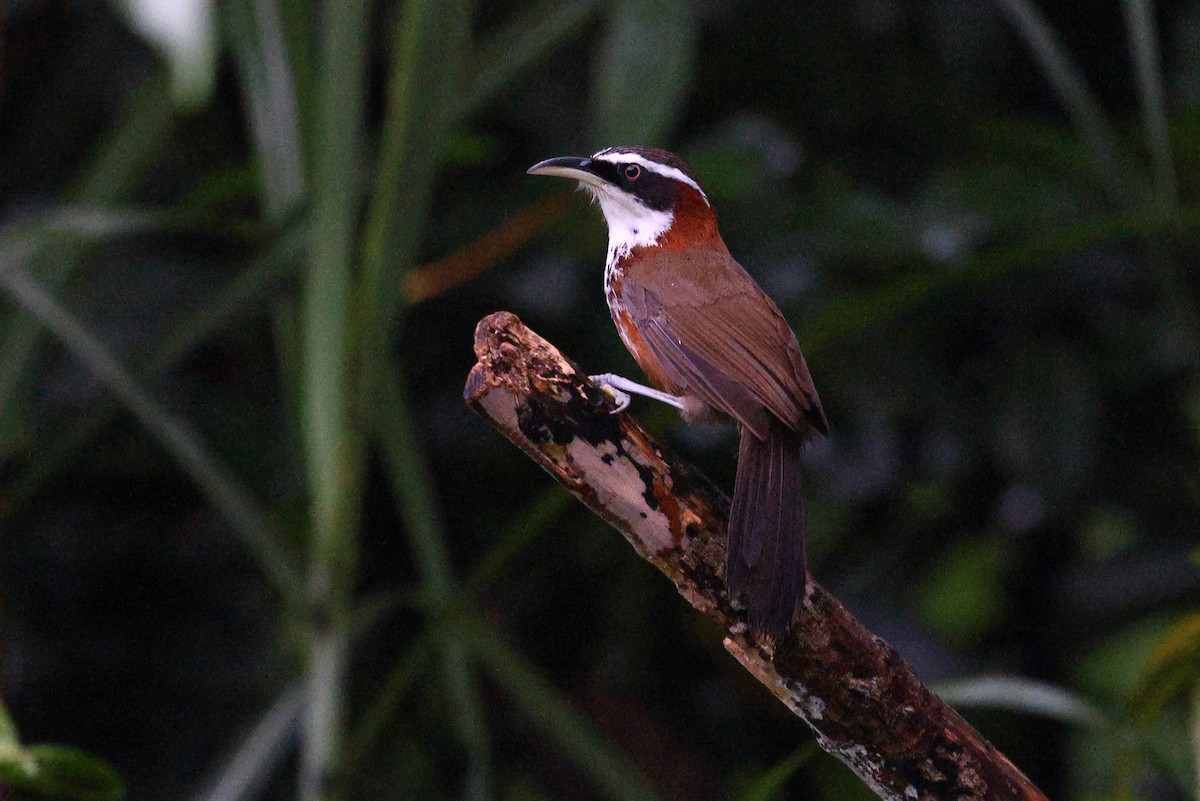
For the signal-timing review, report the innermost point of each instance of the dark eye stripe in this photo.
(606, 170)
(656, 191)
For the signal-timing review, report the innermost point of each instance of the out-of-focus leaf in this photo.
(17, 765)
(881, 306)
(1174, 666)
(550, 711)
(529, 36)
(183, 31)
(121, 159)
(525, 788)
(771, 784)
(420, 106)
(216, 311)
(962, 595)
(396, 430)
(400, 680)
(20, 241)
(848, 221)
(1018, 694)
(8, 729)
(175, 434)
(1147, 59)
(1067, 80)
(259, 43)
(1010, 199)
(643, 68)
(430, 44)
(243, 775)
(331, 432)
(1115, 666)
(60, 772)
(1107, 532)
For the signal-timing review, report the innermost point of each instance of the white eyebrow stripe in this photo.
(653, 166)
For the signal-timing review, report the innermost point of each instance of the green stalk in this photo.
(1195, 736)
(408, 475)
(259, 43)
(887, 303)
(179, 439)
(430, 41)
(246, 772)
(1077, 99)
(1147, 59)
(519, 533)
(533, 32)
(549, 710)
(215, 311)
(331, 432)
(120, 161)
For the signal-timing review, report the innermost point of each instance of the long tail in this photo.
(765, 560)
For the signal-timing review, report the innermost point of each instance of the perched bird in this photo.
(715, 346)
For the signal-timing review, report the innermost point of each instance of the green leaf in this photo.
(1174, 667)
(549, 710)
(330, 426)
(771, 784)
(17, 766)
(8, 729)
(1147, 59)
(259, 44)
(420, 110)
(643, 68)
(176, 435)
(1068, 82)
(532, 33)
(1018, 694)
(330, 436)
(216, 311)
(248, 769)
(963, 593)
(121, 159)
(408, 474)
(60, 772)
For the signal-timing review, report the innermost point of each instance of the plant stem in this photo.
(331, 432)
(1147, 59)
(1073, 92)
(397, 435)
(225, 492)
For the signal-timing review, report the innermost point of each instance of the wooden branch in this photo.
(863, 701)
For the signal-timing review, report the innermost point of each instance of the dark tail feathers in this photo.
(765, 560)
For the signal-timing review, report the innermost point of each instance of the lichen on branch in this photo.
(862, 700)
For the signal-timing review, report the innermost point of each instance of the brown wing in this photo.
(718, 336)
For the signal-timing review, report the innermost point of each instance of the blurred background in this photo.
(254, 546)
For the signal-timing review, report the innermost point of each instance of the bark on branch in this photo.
(863, 701)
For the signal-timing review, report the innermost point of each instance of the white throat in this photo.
(630, 224)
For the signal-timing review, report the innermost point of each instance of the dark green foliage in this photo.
(236, 472)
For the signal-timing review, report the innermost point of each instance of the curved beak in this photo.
(580, 169)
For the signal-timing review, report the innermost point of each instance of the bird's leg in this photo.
(619, 388)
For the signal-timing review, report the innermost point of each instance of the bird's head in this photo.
(649, 197)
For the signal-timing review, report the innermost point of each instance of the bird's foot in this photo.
(621, 399)
(620, 388)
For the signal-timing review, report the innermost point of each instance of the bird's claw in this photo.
(620, 398)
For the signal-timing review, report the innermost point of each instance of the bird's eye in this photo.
(632, 172)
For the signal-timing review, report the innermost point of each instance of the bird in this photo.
(715, 346)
